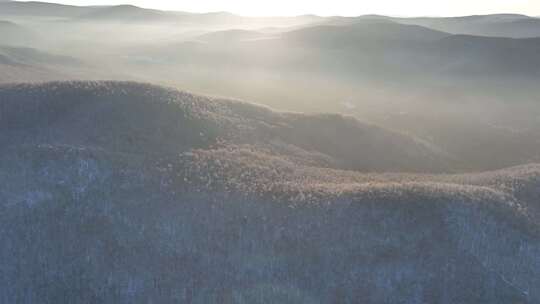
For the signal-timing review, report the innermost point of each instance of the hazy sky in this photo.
(335, 7)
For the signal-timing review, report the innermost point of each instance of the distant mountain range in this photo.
(42, 9)
(381, 49)
(503, 25)
(134, 14)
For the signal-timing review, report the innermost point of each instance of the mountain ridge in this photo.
(227, 120)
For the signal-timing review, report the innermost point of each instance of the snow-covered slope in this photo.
(130, 193)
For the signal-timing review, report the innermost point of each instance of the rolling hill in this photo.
(364, 32)
(424, 50)
(126, 192)
(131, 13)
(496, 25)
(14, 34)
(499, 25)
(30, 56)
(41, 9)
(116, 114)
(491, 55)
(27, 64)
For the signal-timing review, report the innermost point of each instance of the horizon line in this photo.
(278, 16)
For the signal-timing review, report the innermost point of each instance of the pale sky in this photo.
(334, 7)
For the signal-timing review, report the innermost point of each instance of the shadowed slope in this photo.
(239, 224)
